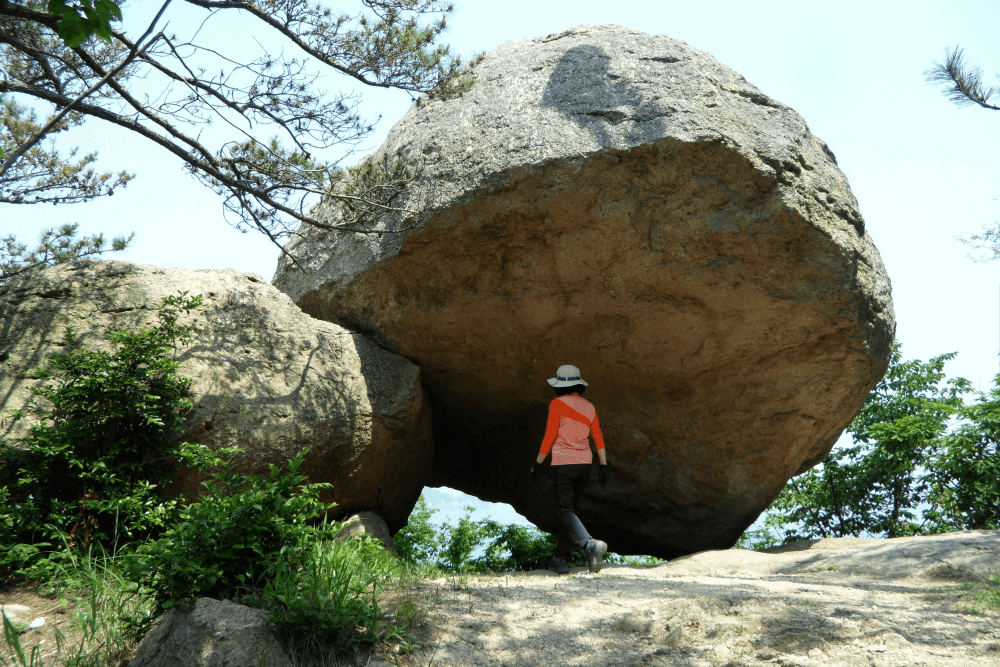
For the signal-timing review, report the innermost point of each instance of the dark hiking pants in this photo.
(569, 481)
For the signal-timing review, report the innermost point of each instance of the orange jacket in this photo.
(571, 419)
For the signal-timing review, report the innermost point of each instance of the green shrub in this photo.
(459, 543)
(759, 539)
(331, 599)
(965, 471)
(418, 542)
(515, 547)
(105, 442)
(505, 548)
(230, 544)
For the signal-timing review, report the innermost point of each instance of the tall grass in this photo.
(333, 602)
(107, 611)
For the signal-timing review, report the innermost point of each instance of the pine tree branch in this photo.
(965, 81)
(56, 118)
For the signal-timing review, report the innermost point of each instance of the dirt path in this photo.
(876, 603)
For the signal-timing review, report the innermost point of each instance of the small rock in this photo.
(372, 524)
(211, 634)
(16, 613)
(675, 636)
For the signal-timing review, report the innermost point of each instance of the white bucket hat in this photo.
(567, 376)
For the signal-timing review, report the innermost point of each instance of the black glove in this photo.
(534, 468)
(603, 474)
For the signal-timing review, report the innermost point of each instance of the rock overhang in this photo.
(690, 246)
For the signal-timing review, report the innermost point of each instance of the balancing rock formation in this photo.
(625, 203)
(265, 376)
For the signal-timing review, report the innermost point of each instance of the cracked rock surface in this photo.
(625, 203)
(266, 377)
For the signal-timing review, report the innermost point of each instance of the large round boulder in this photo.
(625, 203)
(266, 377)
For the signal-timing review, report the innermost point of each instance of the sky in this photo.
(924, 171)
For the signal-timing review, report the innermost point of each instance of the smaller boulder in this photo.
(265, 377)
(212, 633)
(372, 524)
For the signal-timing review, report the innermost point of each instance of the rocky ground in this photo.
(901, 602)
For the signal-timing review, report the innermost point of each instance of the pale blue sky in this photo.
(923, 170)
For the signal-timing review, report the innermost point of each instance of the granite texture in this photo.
(625, 203)
(266, 377)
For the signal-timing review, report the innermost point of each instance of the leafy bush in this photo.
(418, 542)
(757, 539)
(505, 548)
(104, 443)
(230, 544)
(965, 472)
(516, 547)
(451, 548)
(460, 542)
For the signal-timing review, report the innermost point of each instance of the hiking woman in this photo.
(571, 419)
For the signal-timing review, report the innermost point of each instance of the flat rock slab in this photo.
(730, 607)
(266, 377)
(625, 203)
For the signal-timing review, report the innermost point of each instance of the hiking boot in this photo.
(595, 551)
(559, 565)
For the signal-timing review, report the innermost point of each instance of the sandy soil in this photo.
(846, 601)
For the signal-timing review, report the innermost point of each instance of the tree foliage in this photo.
(964, 81)
(272, 163)
(911, 469)
(42, 175)
(56, 246)
(81, 19)
(103, 443)
(965, 474)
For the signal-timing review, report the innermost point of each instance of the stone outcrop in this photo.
(625, 203)
(211, 633)
(265, 376)
(369, 523)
